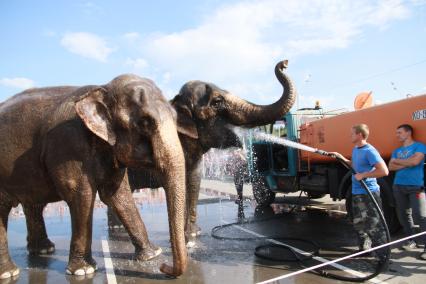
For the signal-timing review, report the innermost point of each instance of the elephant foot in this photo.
(41, 247)
(191, 234)
(81, 267)
(148, 253)
(8, 270)
(193, 230)
(190, 243)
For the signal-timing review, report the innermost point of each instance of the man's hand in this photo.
(394, 166)
(414, 160)
(340, 156)
(359, 176)
(380, 170)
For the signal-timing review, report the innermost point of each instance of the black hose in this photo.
(297, 256)
(381, 265)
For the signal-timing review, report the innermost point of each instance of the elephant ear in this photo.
(94, 111)
(185, 121)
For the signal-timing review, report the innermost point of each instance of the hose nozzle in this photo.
(324, 153)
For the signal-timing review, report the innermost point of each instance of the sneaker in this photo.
(422, 255)
(409, 245)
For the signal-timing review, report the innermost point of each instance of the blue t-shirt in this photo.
(411, 175)
(363, 160)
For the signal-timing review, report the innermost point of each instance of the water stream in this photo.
(273, 139)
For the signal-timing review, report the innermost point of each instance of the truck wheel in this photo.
(262, 194)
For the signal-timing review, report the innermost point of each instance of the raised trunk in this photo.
(168, 151)
(247, 114)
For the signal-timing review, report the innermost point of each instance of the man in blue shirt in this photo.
(368, 165)
(407, 161)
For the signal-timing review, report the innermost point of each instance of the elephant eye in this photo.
(217, 102)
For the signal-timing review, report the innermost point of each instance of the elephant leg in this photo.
(123, 204)
(37, 241)
(81, 209)
(192, 230)
(8, 269)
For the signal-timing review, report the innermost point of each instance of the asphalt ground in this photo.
(212, 260)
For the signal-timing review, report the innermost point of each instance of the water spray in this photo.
(283, 141)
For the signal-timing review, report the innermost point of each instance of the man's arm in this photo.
(380, 170)
(394, 166)
(340, 156)
(412, 161)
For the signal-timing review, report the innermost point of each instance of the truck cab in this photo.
(275, 168)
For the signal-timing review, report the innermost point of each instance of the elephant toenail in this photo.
(80, 272)
(5, 275)
(15, 272)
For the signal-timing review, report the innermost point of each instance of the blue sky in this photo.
(336, 49)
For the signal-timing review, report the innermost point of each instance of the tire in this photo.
(262, 194)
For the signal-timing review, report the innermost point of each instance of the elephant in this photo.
(205, 114)
(69, 143)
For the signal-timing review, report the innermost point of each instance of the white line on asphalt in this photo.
(340, 259)
(108, 262)
(338, 266)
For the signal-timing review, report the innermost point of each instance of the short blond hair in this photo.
(363, 129)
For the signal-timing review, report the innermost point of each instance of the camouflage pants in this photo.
(366, 220)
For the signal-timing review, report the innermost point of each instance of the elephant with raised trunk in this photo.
(205, 114)
(68, 143)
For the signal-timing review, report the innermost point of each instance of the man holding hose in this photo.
(368, 165)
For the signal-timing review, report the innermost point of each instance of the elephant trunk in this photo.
(243, 113)
(169, 154)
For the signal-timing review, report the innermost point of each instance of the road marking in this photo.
(320, 259)
(108, 262)
(340, 259)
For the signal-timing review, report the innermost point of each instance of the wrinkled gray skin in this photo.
(205, 113)
(67, 143)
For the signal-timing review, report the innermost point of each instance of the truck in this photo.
(275, 168)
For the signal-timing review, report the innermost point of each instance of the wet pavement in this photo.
(212, 260)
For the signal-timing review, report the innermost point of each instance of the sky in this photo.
(336, 49)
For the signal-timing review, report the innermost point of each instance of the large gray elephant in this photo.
(205, 114)
(68, 143)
